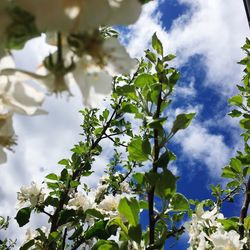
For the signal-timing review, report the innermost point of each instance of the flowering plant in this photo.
(138, 180)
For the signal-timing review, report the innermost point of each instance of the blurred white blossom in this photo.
(80, 15)
(15, 95)
(227, 240)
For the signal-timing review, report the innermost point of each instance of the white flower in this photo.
(81, 201)
(15, 95)
(110, 204)
(125, 187)
(223, 240)
(6, 135)
(80, 15)
(100, 191)
(94, 71)
(32, 194)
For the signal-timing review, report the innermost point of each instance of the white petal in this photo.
(94, 85)
(119, 61)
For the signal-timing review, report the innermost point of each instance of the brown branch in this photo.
(244, 208)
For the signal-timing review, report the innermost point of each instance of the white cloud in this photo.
(213, 29)
(200, 145)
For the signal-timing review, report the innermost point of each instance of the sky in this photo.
(206, 36)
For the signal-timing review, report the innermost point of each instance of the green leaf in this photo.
(23, 216)
(118, 221)
(169, 57)
(105, 245)
(105, 114)
(52, 177)
(165, 158)
(144, 79)
(130, 209)
(74, 184)
(182, 121)
(179, 203)
(143, 204)
(95, 213)
(236, 165)
(64, 162)
(230, 223)
(51, 201)
(157, 123)
(157, 45)
(245, 123)
(247, 223)
(227, 172)
(28, 245)
(66, 216)
(139, 177)
(98, 230)
(135, 233)
(139, 150)
(129, 108)
(151, 56)
(236, 100)
(235, 113)
(166, 184)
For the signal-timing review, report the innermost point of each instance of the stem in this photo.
(244, 209)
(64, 238)
(151, 192)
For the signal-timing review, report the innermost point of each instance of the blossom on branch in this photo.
(32, 194)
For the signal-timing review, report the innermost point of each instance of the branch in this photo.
(244, 209)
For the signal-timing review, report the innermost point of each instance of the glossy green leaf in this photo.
(130, 209)
(105, 245)
(135, 233)
(157, 45)
(247, 223)
(235, 113)
(236, 100)
(166, 184)
(98, 230)
(179, 203)
(169, 57)
(144, 79)
(139, 150)
(52, 177)
(23, 216)
(182, 121)
(245, 123)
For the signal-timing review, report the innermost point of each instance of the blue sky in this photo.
(206, 36)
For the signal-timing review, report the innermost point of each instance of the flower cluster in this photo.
(206, 232)
(32, 195)
(87, 53)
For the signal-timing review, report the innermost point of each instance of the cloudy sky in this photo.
(206, 36)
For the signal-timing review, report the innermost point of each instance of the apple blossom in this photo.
(110, 204)
(81, 201)
(81, 15)
(227, 240)
(16, 95)
(32, 194)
